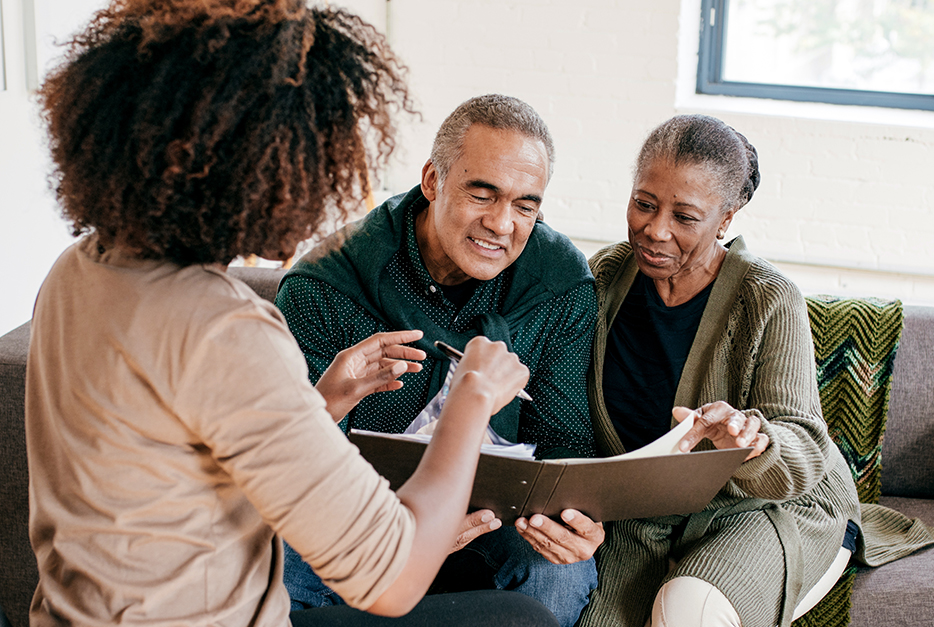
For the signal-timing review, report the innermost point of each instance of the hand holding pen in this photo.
(455, 356)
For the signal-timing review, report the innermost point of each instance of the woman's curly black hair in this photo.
(200, 130)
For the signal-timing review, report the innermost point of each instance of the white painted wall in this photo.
(846, 204)
(31, 232)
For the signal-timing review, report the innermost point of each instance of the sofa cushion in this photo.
(263, 281)
(900, 592)
(907, 462)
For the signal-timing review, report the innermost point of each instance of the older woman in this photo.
(688, 321)
(172, 433)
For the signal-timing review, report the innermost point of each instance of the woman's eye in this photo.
(644, 205)
(685, 218)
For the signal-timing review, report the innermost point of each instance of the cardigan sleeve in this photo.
(782, 392)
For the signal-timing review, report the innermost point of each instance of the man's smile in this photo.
(486, 245)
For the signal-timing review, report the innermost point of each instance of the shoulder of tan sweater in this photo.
(210, 294)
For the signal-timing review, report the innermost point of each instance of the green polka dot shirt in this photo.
(553, 341)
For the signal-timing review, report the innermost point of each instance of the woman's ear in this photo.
(726, 220)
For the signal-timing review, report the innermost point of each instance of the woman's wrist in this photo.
(475, 388)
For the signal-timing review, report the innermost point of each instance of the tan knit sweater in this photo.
(172, 434)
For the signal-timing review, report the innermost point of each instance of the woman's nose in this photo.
(657, 228)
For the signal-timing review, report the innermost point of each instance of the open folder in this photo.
(651, 481)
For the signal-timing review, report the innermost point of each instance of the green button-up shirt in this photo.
(553, 340)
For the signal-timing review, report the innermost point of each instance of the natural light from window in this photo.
(872, 45)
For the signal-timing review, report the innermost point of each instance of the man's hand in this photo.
(373, 365)
(475, 525)
(574, 541)
(723, 425)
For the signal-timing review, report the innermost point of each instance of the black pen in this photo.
(455, 355)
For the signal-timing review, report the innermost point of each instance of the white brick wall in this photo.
(844, 207)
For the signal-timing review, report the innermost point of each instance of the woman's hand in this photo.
(438, 492)
(492, 370)
(373, 365)
(574, 541)
(723, 425)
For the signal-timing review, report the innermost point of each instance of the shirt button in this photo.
(432, 288)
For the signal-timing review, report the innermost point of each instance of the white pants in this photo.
(691, 602)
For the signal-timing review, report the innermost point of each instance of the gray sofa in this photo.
(900, 593)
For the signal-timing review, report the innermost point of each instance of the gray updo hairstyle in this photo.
(707, 142)
(493, 110)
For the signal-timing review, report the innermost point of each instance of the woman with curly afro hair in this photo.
(173, 436)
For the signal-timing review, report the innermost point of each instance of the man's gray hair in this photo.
(493, 110)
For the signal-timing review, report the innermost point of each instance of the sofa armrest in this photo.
(907, 463)
(19, 575)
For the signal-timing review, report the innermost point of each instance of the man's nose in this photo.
(498, 219)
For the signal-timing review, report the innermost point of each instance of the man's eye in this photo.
(685, 218)
(479, 198)
(644, 205)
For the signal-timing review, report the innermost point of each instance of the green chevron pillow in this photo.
(854, 348)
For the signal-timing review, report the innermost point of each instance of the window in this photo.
(858, 52)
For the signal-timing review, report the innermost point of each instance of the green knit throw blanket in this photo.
(854, 345)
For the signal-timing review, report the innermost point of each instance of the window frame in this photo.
(2, 52)
(714, 21)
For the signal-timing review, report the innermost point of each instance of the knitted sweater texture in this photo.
(753, 350)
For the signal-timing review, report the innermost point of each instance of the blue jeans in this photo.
(515, 565)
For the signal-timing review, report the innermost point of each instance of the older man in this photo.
(465, 254)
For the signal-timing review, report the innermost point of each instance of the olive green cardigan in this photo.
(753, 350)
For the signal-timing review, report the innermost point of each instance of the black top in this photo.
(645, 353)
(459, 294)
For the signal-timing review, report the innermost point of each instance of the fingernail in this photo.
(683, 447)
(568, 516)
(487, 517)
(520, 524)
(536, 521)
(496, 524)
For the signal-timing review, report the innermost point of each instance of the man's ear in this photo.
(429, 181)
